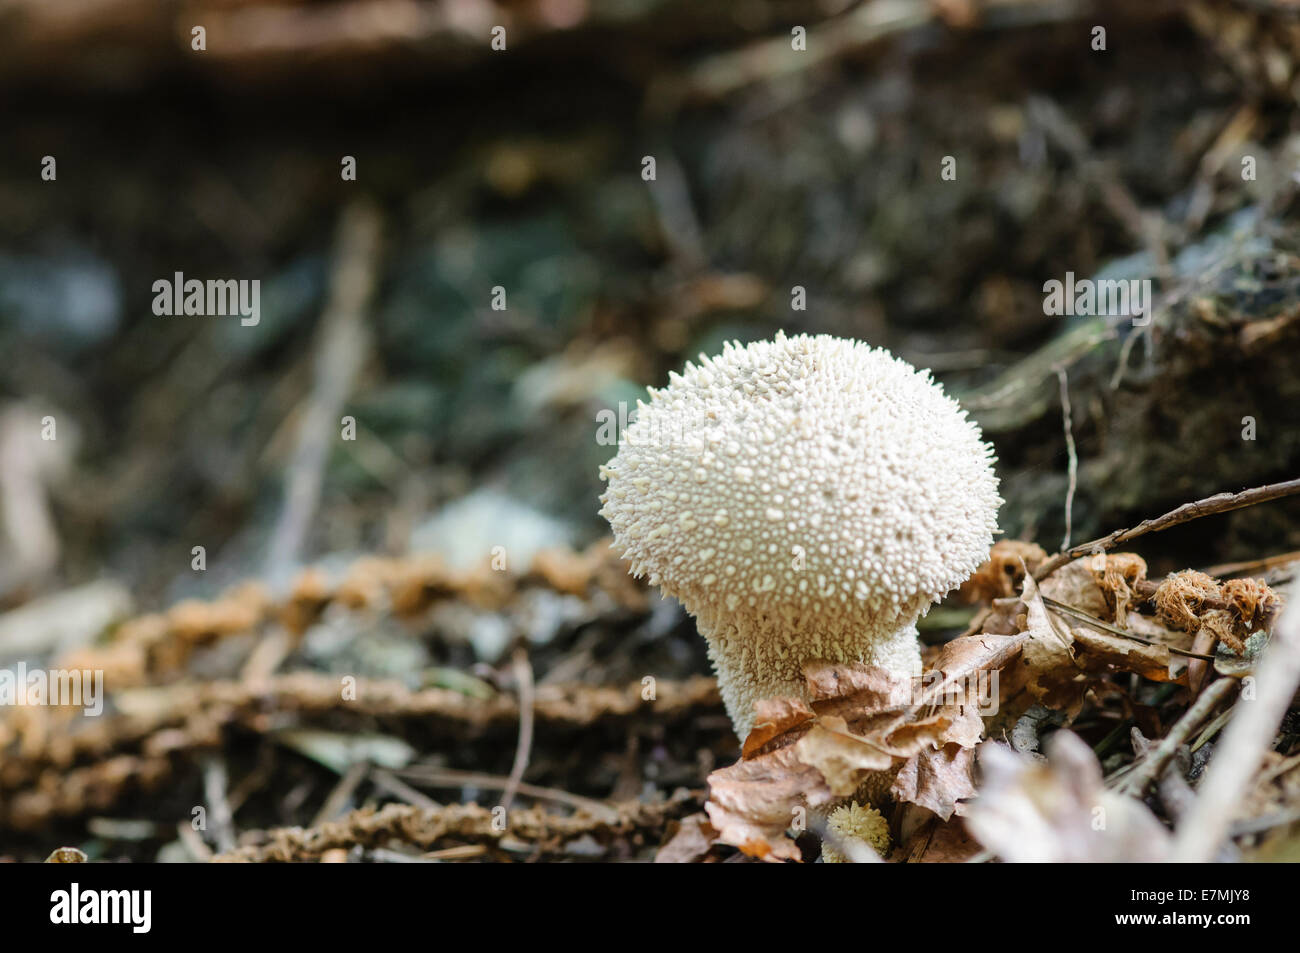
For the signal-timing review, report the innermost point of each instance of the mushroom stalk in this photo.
(751, 667)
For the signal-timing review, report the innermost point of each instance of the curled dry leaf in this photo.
(1101, 649)
(692, 838)
(752, 803)
(1076, 585)
(970, 655)
(937, 778)
(843, 758)
(774, 717)
(942, 844)
(1048, 655)
(1059, 811)
(835, 688)
(861, 721)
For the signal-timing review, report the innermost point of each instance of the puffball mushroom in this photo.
(858, 823)
(804, 498)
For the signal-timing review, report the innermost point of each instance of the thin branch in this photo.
(341, 349)
(1252, 567)
(1258, 825)
(399, 788)
(220, 816)
(523, 750)
(338, 799)
(1153, 764)
(1212, 729)
(678, 223)
(447, 778)
(1219, 503)
(1096, 623)
(196, 845)
(774, 58)
(1074, 459)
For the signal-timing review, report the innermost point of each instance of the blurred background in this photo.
(524, 169)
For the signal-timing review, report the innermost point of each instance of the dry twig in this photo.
(344, 342)
(1149, 768)
(524, 682)
(1219, 503)
(445, 777)
(466, 822)
(1074, 458)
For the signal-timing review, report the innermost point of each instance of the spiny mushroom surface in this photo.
(804, 498)
(856, 822)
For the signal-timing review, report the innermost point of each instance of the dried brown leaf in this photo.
(956, 724)
(1048, 654)
(948, 843)
(1075, 585)
(834, 687)
(936, 779)
(1103, 649)
(752, 803)
(774, 717)
(843, 758)
(862, 725)
(692, 838)
(968, 655)
(1001, 618)
(967, 676)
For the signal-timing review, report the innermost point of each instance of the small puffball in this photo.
(855, 823)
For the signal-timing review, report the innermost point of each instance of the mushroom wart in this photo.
(804, 498)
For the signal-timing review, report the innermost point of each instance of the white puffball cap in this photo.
(806, 480)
